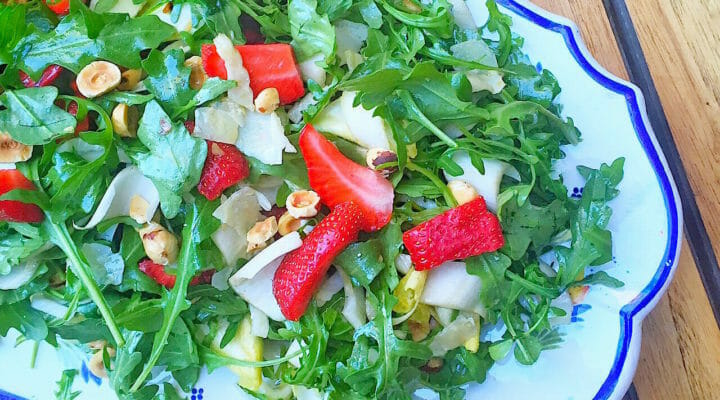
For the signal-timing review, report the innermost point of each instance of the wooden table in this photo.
(680, 39)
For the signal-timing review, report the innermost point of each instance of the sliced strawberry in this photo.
(157, 273)
(59, 7)
(224, 166)
(15, 211)
(338, 179)
(462, 232)
(302, 271)
(47, 78)
(190, 126)
(268, 65)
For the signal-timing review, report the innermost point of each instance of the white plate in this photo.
(600, 352)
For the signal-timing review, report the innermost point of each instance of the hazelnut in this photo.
(411, 6)
(288, 224)
(98, 78)
(261, 232)
(125, 120)
(378, 157)
(303, 204)
(433, 365)
(197, 73)
(267, 101)
(12, 151)
(138, 209)
(130, 79)
(160, 245)
(462, 191)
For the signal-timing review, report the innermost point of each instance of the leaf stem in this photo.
(449, 198)
(82, 270)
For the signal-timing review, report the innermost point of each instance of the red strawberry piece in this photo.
(81, 126)
(157, 273)
(302, 271)
(15, 211)
(268, 66)
(224, 166)
(462, 232)
(190, 126)
(337, 179)
(47, 78)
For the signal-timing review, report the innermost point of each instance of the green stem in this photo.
(82, 270)
(532, 287)
(449, 198)
(33, 357)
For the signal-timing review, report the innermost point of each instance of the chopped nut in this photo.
(125, 120)
(98, 78)
(12, 151)
(97, 344)
(378, 157)
(418, 331)
(197, 72)
(303, 204)
(433, 365)
(288, 224)
(259, 234)
(130, 79)
(96, 364)
(267, 101)
(160, 245)
(578, 293)
(462, 191)
(138, 209)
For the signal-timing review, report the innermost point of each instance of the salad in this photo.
(333, 199)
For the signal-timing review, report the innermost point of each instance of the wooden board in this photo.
(680, 356)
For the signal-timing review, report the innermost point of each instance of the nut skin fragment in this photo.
(12, 151)
(130, 79)
(98, 78)
(197, 73)
(303, 204)
(462, 191)
(267, 101)
(377, 157)
(160, 245)
(125, 120)
(260, 233)
(288, 224)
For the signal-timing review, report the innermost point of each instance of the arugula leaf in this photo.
(460, 367)
(175, 160)
(14, 28)
(24, 318)
(527, 224)
(32, 118)
(212, 88)
(362, 261)
(128, 359)
(227, 20)
(64, 390)
(311, 33)
(15, 246)
(180, 351)
(490, 268)
(591, 241)
(168, 78)
(132, 251)
(334, 9)
(136, 34)
(199, 225)
(38, 283)
(599, 278)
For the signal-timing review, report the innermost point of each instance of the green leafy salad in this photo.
(340, 199)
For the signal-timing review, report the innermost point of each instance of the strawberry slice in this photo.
(157, 273)
(337, 179)
(268, 66)
(224, 166)
(15, 211)
(301, 272)
(465, 231)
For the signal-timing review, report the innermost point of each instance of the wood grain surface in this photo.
(680, 357)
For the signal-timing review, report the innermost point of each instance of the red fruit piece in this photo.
(224, 166)
(47, 78)
(268, 65)
(15, 211)
(302, 271)
(462, 232)
(157, 273)
(59, 7)
(337, 179)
